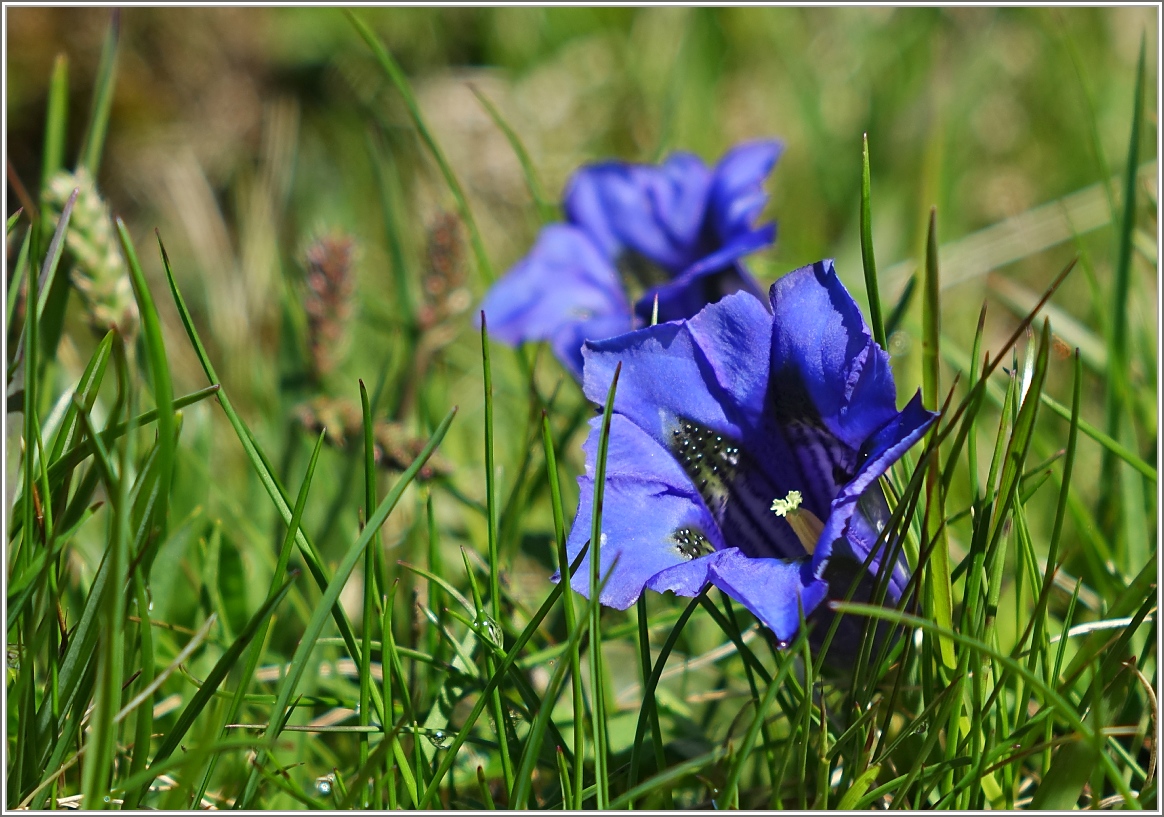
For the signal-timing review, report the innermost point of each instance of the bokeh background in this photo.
(244, 134)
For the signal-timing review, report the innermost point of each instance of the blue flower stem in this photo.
(867, 259)
(597, 674)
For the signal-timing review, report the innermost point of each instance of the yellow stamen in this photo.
(803, 521)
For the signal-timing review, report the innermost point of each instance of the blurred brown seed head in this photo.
(445, 293)
(393, 448)
(328, 300)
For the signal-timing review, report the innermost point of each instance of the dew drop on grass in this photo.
(491, 629)
(323, 785)
(438, 738)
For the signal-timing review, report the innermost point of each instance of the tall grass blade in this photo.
(546, 211)
(570, 798)
(158, 364)
(868, 261)
(94, 140)
(396, 75)
(56, 120)
(101, 747)
(1116, 387)
(597, 674)
(939, 594)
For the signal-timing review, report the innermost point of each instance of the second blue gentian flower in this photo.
(633, 233)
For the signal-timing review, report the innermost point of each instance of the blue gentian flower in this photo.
(633, 232)
(745, 451)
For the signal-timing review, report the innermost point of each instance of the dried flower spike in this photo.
(328, 302)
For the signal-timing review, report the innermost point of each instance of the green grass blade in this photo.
(86, 392)
(867, 259)
(55, 121)
(730, 790)
(101, 746)
(856, 791)
(392, 69)
(331, 595)
(52, 258)
(1063, 707)
(546, 211)
(1116, 386)
(212, 681)
(19, 271)
(94, 139)
(370, 619)
(597, 674)
(650, 704)
(159, 367)
(939, 594)
(570, 798)
(494, 560)
(143, 726)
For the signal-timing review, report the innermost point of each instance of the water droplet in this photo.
(323, 785)
(438, 738)
(491, 629)
(107, 799)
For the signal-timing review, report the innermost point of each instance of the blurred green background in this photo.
(242, 134)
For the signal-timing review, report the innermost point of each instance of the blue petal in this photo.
(654, 211)
(737, 195)
(663, 377)
(774, 590)
(640, 519)
(564, 290)
(688, 578)
(859, 510)
(822, 339)
(734, 336)
(886, 445)
(850, 534)
(632, 453)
